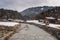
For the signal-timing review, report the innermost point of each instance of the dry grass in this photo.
(7, 38)
(8, 31)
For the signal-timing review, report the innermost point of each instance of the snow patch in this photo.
(8, 23)
(54, 25)
(36, 21)
(41, 23)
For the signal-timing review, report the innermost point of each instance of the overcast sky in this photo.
(21, 5)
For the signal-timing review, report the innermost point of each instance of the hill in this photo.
(32, 12)
(10, 14)
(55, 12)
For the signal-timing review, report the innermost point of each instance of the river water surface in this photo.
(31, 32)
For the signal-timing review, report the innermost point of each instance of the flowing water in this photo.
(31, 32)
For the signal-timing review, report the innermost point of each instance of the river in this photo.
(31, 32)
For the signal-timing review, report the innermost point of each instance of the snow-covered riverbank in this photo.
(41, 23)
(8, 23)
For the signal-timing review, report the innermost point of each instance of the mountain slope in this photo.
(32, 12)
(55, 12)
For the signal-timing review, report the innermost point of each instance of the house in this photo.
(58, 21)
(41, 20)
(50, 19)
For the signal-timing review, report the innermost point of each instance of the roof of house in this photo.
(58, 19)
(50, 17)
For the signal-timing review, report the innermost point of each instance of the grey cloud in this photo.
(20, 5)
